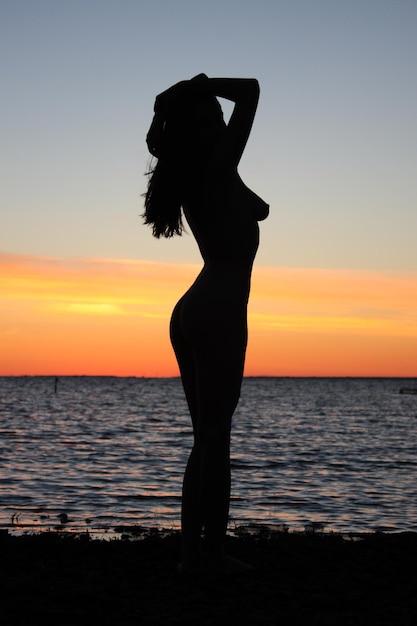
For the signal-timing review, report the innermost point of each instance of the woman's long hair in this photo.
(170, 142)
(175, 144)
(163, 200)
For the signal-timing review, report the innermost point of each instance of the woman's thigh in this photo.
(185, 360)
(217, 339)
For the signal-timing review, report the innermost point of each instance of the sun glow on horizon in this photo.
(111, 317)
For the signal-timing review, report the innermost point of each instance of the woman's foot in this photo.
(226, 564)
(189, 567)
(188, 570)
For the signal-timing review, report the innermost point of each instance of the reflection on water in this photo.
(106, 451)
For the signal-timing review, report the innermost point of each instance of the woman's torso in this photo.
(223, 216)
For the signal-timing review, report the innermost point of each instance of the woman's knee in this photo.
(213, 435)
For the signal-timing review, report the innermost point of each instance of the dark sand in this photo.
(299, 579)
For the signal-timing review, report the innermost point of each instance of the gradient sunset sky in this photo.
(85, 289)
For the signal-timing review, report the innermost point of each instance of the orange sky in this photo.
(110, 317)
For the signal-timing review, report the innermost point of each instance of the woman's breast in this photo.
(248, 200)
(223, 217)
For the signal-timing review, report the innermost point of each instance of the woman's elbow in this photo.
(254, 85)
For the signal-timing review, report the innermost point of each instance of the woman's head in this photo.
(188, 127)
(208, 122)
(181, 138)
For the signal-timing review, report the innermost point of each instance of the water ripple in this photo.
(339, 452)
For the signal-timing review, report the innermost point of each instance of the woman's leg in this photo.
(218, 384)
(191, 518)
(211, 359)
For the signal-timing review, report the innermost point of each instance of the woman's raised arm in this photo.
(244, 92)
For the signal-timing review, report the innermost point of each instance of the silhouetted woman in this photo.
(196, 173)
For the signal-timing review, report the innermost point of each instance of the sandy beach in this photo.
(299, 578)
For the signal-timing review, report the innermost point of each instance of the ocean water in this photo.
(102, 452)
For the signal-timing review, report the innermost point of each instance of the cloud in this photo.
(335, 300)
(58, 311)
(86, 286)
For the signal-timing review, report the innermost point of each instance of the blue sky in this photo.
(333, 149)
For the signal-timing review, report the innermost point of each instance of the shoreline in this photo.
(300, 578)
(135, 531)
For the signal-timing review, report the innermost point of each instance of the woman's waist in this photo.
(236, 272)
(228, 263)
(226, 281)
(204, 299)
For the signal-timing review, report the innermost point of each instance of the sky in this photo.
(86, 289)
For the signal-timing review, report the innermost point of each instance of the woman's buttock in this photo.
(212, 321)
